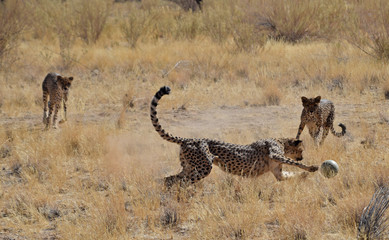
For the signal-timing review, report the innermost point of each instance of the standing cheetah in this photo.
(198, 155)
(56, 87)
(318, 114)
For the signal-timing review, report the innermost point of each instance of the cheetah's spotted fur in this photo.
(55, 87)
(318, 114)
(198, 155)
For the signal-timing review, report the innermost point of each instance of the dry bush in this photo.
(293, 21)
(165, 26)
(59, 17)
(91, 17)
(246, 37)
(67, 21)
(156, 22)
(152, 22)
(211, 65)
(374, 222)
(245, 33)
(13, 22)
(217, 22)
(188, 26)
(380, 46)
(290, 21)
(349, 213)
(174, 24)
(368, 23)
(137, 23)
(169, 216)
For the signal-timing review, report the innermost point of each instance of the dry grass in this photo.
(13, 21)
(374, 220)
(100, 175)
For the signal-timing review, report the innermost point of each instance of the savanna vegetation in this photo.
(237, 70)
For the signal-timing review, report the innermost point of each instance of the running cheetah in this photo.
(56, 87)
(198, 155)
(318, 114)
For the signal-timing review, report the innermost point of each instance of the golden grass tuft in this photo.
(272, 95)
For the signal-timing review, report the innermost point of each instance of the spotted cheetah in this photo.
(198, 155)
(318, 114)
(56, 87)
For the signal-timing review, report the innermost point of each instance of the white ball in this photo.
(329, 168)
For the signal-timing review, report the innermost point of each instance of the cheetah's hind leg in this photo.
(180, 177)
(193, 169)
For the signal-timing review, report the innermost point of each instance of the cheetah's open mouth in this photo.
(299, 159)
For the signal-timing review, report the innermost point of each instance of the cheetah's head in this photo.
(293, 149)
(66, 82)
(311, 104)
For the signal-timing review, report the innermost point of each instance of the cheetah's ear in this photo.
(297, 142)
(317, 99)
(304, 99)
(59, 77)
(71, 78)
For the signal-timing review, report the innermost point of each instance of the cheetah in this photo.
(198, 155)
(56, 87)
(318, 114)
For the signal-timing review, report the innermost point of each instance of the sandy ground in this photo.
(266, 121)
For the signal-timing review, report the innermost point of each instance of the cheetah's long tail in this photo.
(165, 90)
(340, 134)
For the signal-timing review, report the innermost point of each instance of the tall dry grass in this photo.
(300, 20)
(13, 22)
(104, 183)
(100, 176)
(370, 23)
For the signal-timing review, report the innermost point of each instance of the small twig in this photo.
(6, 140)
(363, 50)
(175, 66)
